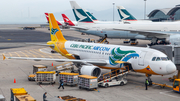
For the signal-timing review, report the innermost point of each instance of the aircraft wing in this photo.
(95, 62)
(158, 34)
(79, 28)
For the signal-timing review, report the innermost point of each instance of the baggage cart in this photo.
(17, 91)
(71, 98)
(88, 82)
(25, 97)
(36, 68)
(46, 77)
(69, 78)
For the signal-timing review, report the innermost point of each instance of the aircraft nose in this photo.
(170, 68)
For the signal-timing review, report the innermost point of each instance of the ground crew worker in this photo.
(44, 96)
(146, 84)
(61, 84)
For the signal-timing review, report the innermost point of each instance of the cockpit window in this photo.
(158, 59)
(154, 58)
(164, 58)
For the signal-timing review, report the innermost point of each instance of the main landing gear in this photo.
(156, 41)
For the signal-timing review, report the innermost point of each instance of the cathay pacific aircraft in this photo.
(90, 57)
(166, 32)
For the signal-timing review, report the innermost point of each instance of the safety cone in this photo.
(14, 80)
(52, 64)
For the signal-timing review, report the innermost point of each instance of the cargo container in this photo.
(46, 77)
(69, 78)
(88, 82)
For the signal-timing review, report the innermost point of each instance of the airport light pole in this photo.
(113, 11)
(144, 9)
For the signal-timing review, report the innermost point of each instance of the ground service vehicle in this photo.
(176, 85)
(113, 82)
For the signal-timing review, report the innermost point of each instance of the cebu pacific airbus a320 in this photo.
(90, 57)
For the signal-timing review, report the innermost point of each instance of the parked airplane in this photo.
(90, 57)
(154, 31)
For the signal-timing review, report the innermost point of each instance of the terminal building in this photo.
(170, 14)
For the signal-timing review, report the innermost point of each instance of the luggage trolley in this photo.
(26, 97)
(17, 91)
(36, 68)
(88, 82)
(46, 77)
(69, 78)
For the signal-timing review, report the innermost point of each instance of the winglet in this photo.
(4, 57)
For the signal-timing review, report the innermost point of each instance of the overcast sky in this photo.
(32, 11)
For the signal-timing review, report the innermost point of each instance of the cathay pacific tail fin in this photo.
(80, 14)
(124, 14)
(92, 17)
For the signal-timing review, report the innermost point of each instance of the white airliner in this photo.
(167, 32)
(90, 57)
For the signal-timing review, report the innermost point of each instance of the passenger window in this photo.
(158, 59)
(154, 58)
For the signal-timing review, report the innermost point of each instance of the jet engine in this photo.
(90, 70)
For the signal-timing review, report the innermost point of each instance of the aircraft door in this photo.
(141, 58)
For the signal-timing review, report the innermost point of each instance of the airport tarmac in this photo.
(20, 69)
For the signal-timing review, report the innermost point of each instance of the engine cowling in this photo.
(90, 70)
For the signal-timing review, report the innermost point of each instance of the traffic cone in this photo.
(14, 80)
(52, 64)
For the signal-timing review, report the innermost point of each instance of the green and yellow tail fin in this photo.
(55, 32)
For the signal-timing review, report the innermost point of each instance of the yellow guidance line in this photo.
(45, 53)
(34, 51)
(30, 53)
(24, 54)
(17, 54)
(10, 54)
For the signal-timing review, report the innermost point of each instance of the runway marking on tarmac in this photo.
(36, 53)
(17, 54)
(45, 53)
(10, 54)
(169, 94)
(31, 54)
(24, 54)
